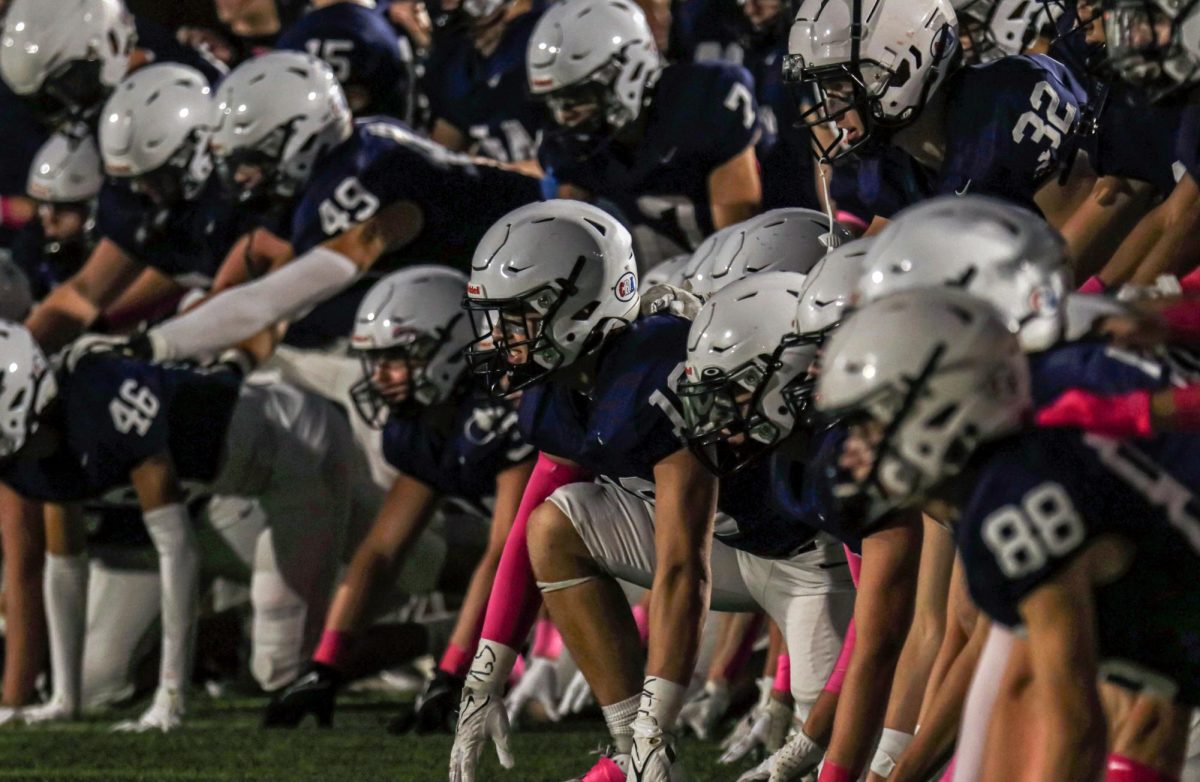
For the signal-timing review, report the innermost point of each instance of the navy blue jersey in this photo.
(485, 98)
(631, 419)
(364, 52)
(701, 116)
(162, 46)
(1010, 125)
(384, 162)
(45, 269)
(879, 184)
(461, 454)
(785, 151)
(187, 242)
(1042, 497)
(1187, 142)
(113, 413)
(710, 31)
(1095, 367)
(24, 136)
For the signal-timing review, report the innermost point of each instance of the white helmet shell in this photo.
(578, 41)
(829, 290)
(940, 370)
(570, 262)
(161, 114)
(1000, 252)
(27, 385)
(43, 37)
(419, 303)
(667, 272)
(65, 170)
(791, 239)
(1014, 24)
(287, 105)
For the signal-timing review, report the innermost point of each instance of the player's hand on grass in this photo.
(767, 726)
(704, 711)
(165, 714)
(576, 697)
(435, 708)
(313, 692)
(652, 758)
(481, 715)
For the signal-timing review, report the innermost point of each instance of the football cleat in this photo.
(313, 692)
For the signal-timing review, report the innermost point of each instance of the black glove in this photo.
(313, 692)
(435, 709)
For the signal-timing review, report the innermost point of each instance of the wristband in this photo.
(832, 772)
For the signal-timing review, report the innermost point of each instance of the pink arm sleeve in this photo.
(513, 605)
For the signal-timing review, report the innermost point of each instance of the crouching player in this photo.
(1085, 543)
(446, 440)
(104, 422)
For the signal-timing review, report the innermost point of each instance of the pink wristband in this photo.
(832, 772)
(1093, 284)
(783, 674)
(547, 642)
(456, 661)
(948, 774)
(332, 649)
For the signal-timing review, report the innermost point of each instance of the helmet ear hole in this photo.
(585, 312)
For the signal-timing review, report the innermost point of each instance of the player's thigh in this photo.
(617, 528)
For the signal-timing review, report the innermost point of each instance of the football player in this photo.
(105, 422)
(556, 287)
(889, 72)
(64, 180)
(1073, 537)
(672, 148)
(447, 440)
(373, 64)
(359, 192)
(476, 84)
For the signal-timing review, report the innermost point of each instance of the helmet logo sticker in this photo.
(626, 287)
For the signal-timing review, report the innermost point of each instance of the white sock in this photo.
(170, 528)
(619, 719)
(64, 583)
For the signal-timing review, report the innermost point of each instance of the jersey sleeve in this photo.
(410, 447)
(1022, 527)
(1187, 142)
(733, 116)
(118, 215)
(1096, 368)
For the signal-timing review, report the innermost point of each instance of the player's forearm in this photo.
(1073, 729)
(61, 317)
(241, 312)
(939, 725)
(864, 698)
(678, 606)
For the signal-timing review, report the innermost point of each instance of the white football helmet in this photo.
(997, 251)
(829, 290)
(280, 112)
(593, 53)
(65, 54)
(548, 282)
(746, 382)
(929, 374)
(790, 239)
(1014, 25)
(667, 272)
(1134, 44)
(881, 58)
(27, 386)
(414, 315)
(154, 130)
(66, 170)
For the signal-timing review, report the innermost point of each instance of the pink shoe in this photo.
(605, 770)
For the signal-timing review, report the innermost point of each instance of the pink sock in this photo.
(783, 674)
(854, 562)
(838, 677)
(332, 649)
(518, 670)
(948, 774)
(641, 618)
(746, 648)
(456, 661)
(1093, 284)
(547, 642)
(1122, 769)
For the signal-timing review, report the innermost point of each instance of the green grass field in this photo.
(221, 740)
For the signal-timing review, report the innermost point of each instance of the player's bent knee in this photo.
(551, 538)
